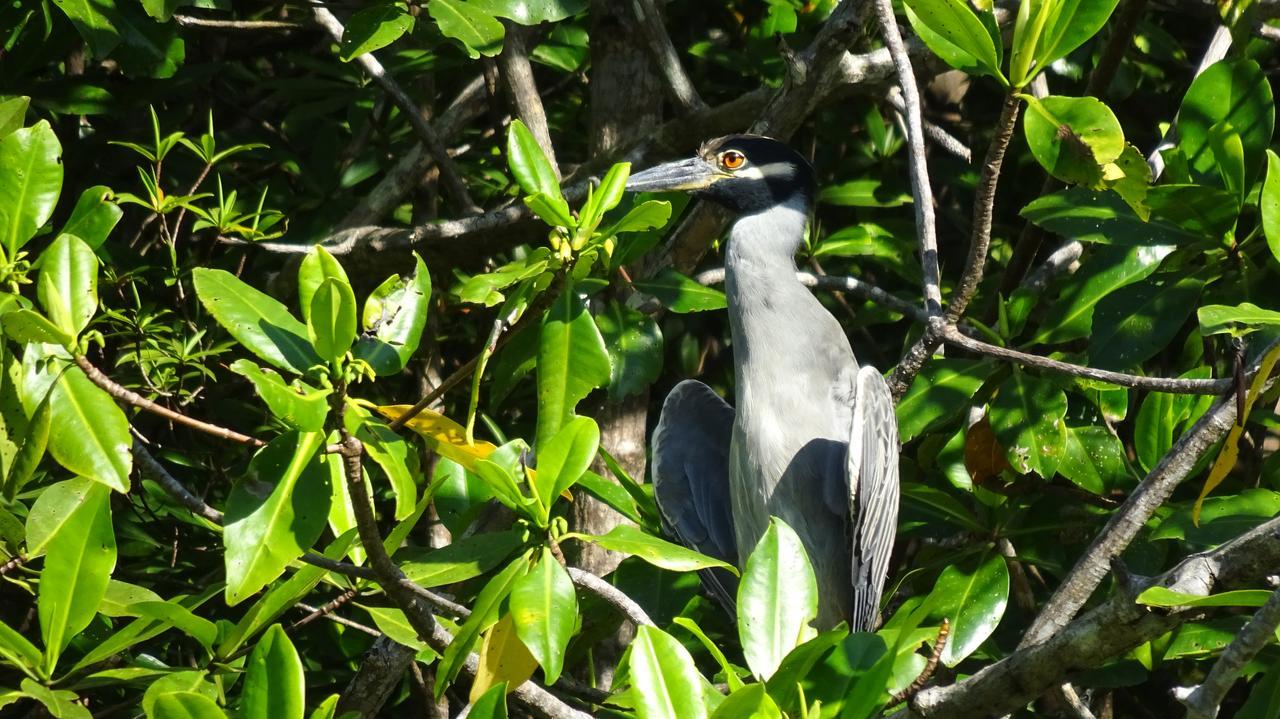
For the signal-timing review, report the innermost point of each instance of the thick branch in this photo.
(1109, 630)
(448, 170)
(921, 192)
(679, 86)
(517, 75)
(1125, 523)
(1203, 701)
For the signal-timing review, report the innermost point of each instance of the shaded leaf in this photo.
(681, 294)
(974, 600)
(394, 315)
(257, 321)
(274, 684)
(634, 341)
(544, 609)
(374, 28)
(1027, 417)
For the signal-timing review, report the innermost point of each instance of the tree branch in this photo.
(954, 336)
(1125, 523)
(852, 285)
(591, 583)
(938, 135)
(448, 170)
(679, 86)
(247, 25)
(517, 75)
(1203, 701)
(1113, 628)
(128, 396)
(921, 192)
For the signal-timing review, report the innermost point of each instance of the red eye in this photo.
(732, 159)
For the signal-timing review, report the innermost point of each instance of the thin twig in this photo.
(591, 583)
(12, 564)
(320, 612)
(328, 607)
(426, 133)
(1204, 700)
(679, 86)
(130, 397)
(1172, 385)
(250, 25)
(852, 285)
(176, 489)
(984, 211)
(921, 192)
(936, 134)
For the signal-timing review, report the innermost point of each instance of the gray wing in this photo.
(872, 473)
(691, 475)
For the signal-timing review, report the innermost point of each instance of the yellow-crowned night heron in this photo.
(814, 440)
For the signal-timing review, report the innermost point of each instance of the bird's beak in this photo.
(691, 174)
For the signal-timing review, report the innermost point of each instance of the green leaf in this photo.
(749, 702)
(1069, 26)
(528, 163)
(332, 324)
(1241, 319)
(274, 684)
(79, 559)
(465, 558)
(18, 651)
(1072, 137)
(492, 704)
(397, 460)
(612, 494)
(1228, 155)
(374, 28)
(178, 616)
(863, 192)
(730, 672)
(60, 703)
(1235, 92)
(1101, 273)
(1093, 458)
(1221, 518)
(94, 216)
(1086, 215)
(185, 705)
(553, 210)
(275, 512)
(328, 708)
(92, 437)
(1027, 418)
(68, 284)
(97, 23)
(664, 681)
(478, 32)
(484, 613)
(298, 404)
(777, 599)
(316, 267)
(257, 321)
(13, 113)
(1134, 323)
(1269, 205)
(393, 623)
(572, 361)
(631, 540)
(1264, 696)
(394, 316)
(544, 608)
(681, 294)
(647, 215)
(30, 182)
(606, 196)
(532, 12)
(564, 457)
(973, 600)
(942, 390)
(280, 598)
(634, 341)
(30, 326)
(954, 33)
(1165, 597)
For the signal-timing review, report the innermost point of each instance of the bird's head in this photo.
(745, 173)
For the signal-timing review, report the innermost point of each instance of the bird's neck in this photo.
(775, 320)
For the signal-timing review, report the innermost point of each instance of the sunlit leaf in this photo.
(777, 599)
(274, 683)
(30, 182)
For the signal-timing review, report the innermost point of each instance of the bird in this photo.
(813, 439)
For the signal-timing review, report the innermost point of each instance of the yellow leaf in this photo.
(1231, 448)
(503, 658)
(446, 437)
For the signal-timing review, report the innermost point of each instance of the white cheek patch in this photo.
(763, 172)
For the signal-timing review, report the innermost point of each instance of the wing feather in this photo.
(872, 476)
